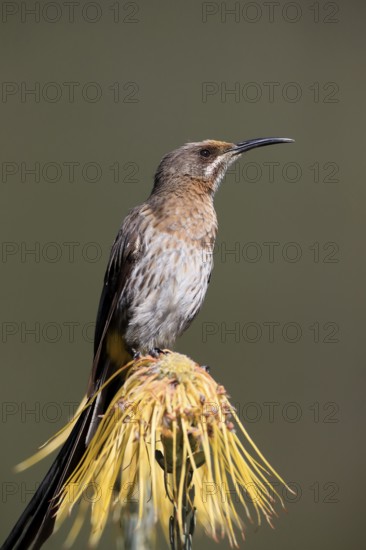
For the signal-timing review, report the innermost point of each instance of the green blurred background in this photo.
(117, 85)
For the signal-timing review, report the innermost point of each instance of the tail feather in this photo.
(37, 521)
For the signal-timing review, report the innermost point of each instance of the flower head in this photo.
(171, 437)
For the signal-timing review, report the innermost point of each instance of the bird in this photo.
(154, 286)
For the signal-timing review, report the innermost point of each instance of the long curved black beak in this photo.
(257, 142)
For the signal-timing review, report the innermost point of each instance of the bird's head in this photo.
(203, 164)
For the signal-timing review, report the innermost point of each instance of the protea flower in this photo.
(170, 438)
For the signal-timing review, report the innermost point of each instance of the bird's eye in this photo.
(205, 153)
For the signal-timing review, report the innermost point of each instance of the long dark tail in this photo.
(36, 523)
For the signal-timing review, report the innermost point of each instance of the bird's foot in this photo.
(156, 352)
(136, 354)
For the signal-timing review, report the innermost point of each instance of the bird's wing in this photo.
(125, 252)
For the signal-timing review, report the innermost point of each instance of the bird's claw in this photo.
(156, 352)
(136, 355)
